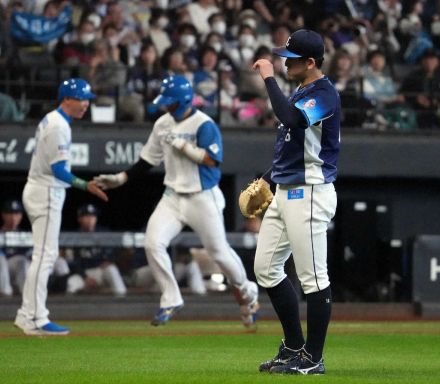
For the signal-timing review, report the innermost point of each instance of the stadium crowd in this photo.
(381, 54)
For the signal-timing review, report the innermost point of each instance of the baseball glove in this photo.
(255, 198)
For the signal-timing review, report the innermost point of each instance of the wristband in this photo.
(79, 183)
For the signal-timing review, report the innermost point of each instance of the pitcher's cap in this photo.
(302, 43)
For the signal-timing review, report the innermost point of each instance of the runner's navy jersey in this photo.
(309, 156)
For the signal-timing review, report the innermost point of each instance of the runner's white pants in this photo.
(203, 212)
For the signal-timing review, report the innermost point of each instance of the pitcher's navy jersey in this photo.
(309, 156)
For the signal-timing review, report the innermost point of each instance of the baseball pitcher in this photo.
(296, 221)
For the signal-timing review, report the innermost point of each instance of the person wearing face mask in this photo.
(242, 55)
(188, 44)
(79, 50)
(157, 33)
(218, 25)
(217, 41)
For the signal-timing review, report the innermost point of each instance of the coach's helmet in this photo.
(175, 89)
(75, 88)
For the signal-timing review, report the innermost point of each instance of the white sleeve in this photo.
(58, 142)
(152, 151)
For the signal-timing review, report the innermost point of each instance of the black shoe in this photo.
(285, 356)
(302, 366)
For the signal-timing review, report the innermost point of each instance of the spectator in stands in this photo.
(252, 92)
(79, 50)
(143, 85)
(106, 75)
(205, 82)
(264, 7)
(118, 52)
(217, 41)
(229, 100)
(415, 38)
(378, 86)
(287, 14)
(341, 70)
(386, 105)
(173, 62)
(188, 43)
(92, 267)
(344, 75)
(125, 31)
(157, 33)
(217, 24)
(243, 54)
(14, 261)
(421, 89)
(279, 34)
(199, 12)
(382, 35)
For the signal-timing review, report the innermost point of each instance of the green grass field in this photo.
(215, 352)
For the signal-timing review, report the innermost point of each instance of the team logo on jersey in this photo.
(294, 194)
(309, 103)
(214, 148)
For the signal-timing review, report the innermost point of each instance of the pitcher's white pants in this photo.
(298, 226)
(43, 206)
(203, 212)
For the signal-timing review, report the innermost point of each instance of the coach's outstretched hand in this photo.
(93, 188)
(111, 181)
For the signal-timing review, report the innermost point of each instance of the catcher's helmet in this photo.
(75, 88)
(175, 89)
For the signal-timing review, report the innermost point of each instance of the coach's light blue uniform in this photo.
(43, 198)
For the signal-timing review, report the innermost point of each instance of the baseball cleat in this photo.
(285, 356)
(249, 314)
(49, 329)
(54, 329)
(303, 366)
(164, 315)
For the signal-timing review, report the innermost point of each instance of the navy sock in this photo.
(319, 307)
(285, 303)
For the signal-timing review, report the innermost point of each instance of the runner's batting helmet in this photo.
(175, 89)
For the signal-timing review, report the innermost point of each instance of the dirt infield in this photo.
(198, 328)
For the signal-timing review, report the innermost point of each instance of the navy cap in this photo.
(87, 209)
(302, 43)
(12, 206)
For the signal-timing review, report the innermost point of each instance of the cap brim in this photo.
(163, 100)
(282, 51)
(88, 96)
